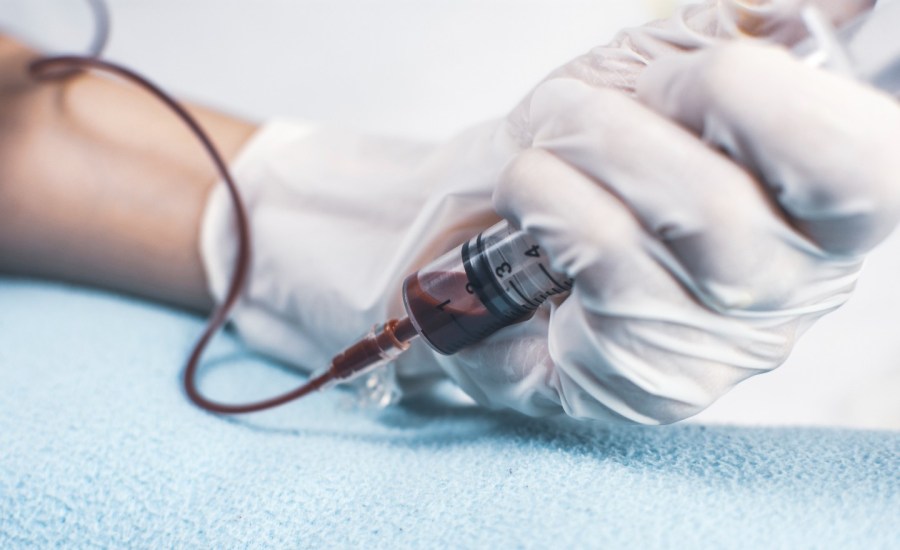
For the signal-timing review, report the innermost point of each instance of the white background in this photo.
(429, 68)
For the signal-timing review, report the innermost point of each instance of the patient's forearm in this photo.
(100, 184)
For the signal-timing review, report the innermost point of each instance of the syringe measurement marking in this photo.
(476, 335)
(544, 296)
(511, 283)
(500, 271)
(559, 287)
(534, 252)
(519, 292)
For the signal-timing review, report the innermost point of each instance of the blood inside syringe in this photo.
(449, 317)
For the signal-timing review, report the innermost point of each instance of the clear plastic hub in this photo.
(498, 278)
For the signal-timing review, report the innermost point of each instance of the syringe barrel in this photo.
(497, 278)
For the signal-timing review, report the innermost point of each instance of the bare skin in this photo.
(101, 185)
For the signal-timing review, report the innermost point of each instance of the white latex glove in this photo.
(658, 326)
(694, 270)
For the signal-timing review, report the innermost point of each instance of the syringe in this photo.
(496, 279)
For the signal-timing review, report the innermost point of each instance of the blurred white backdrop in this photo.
(429, 69)
(426, 68)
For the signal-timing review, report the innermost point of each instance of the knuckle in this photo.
(527, 177)
(851, 203)
(564, 106)
(739, 203)
(524, 165)
(612, 113)
(611, 237)
(517, 179)
(727, 69)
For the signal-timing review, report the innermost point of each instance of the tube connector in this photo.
(381, 345)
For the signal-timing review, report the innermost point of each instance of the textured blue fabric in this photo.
(98, 447)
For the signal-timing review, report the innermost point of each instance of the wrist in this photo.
(86, 198)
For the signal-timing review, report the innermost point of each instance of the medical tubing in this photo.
(63, 66)
(101, 27)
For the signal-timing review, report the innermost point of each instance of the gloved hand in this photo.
(696, 267)
(692, 271)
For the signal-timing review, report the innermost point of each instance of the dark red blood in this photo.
(448, 316)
